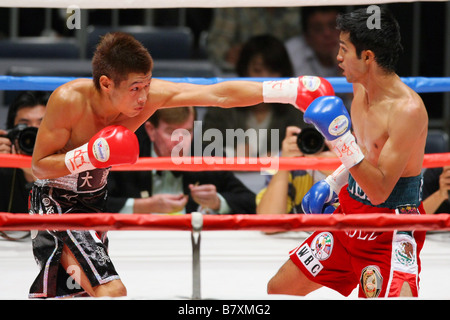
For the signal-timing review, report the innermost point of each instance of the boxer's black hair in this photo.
(379, 33)
(117, 55)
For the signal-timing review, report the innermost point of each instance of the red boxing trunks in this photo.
(379, 262)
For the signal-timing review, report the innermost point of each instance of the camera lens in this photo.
(310, 141)
(26, 140)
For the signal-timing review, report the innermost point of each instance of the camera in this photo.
(310, 141)
(23, 137)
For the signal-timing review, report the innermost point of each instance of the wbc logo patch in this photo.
(320, 249)
(322, 246)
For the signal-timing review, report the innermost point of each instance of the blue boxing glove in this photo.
(319, 199)
(323, 194)
(330, 117)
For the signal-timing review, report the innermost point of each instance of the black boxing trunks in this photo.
(78, 193)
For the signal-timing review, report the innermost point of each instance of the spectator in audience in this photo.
(436, 188)
(285, 189)
(261, 56)
(314, 50)
(232, 27)
(212, 192)
(27, 110)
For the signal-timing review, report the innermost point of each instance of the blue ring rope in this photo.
(340, 85)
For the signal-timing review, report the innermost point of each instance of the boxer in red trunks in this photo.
(379, 262)
(382, 162)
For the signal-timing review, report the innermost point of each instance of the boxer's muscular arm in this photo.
(53, 135)
(224, 94)
(111, 145)
(406, 128)
(299, 92)
(167, 94)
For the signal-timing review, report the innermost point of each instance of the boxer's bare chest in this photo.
(370, 125)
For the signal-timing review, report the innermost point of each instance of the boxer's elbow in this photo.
(43, 169)
(377, 201)
(379, 196)
(38, 173)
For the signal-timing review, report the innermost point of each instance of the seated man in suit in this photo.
(212, 192)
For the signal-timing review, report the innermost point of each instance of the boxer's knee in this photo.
(290, 280)
(113, 288)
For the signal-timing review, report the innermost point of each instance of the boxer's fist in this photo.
(323, 194)
(330, 117)
(299, 92)
(110, 146)
(319, 198)
(113, 145)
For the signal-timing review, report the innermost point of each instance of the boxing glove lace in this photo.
(299, 92)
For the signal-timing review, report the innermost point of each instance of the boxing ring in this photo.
(214, 256)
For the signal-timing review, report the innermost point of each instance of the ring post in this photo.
(197, 225)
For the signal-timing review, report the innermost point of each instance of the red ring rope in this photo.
(283, 222)
(226, 164)
(272, 223)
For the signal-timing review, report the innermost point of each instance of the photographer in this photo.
(24, 117)
(284, 190)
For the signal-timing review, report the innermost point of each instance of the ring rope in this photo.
(283, 222)
(269, 223)
(340, 85)
(432, 160)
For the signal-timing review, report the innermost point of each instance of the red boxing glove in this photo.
(299, 92)
(110, 146)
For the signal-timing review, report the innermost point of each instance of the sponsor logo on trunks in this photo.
(46, 202)
(47, 206)
(404, 252)
(69, 197)
(407, 209)
(311, 263)
(371, 281)
(322, 245)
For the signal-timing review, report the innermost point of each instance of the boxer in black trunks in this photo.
(88, 247)
(89, 125)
